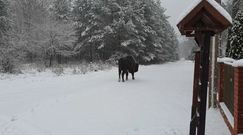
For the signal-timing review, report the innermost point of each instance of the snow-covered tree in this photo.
(233, 9)
(37, 34)
(89, 24)
(60, 29)
(7, 52)
(128, 27)
(106, 28)
(236, 37)
(165, 42)
(3, 19)
(29, 19)
(58, 41)
(62, 9)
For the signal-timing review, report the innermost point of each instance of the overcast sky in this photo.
(174, 8)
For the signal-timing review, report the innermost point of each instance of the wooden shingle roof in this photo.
(205, 15)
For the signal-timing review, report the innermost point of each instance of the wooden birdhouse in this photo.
(202, 20)
(204, 15)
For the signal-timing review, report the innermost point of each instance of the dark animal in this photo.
(127, 65)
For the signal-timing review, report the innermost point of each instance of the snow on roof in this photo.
(188, 10)
(215, 4)
(221, 10)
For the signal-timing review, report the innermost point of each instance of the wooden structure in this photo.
(230, 95)
(203, 20)
(228, 86)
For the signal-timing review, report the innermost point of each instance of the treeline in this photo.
(61, 31)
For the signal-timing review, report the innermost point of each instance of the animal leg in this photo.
(133, 76)
(123, 73)
(119, 72)
(126, 75)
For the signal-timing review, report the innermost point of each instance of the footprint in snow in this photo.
(14, 118)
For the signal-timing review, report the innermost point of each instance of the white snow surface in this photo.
(238, 63)
(228, 114)
(232, 62)
(216, 5)
(157, 102)
(225, 59)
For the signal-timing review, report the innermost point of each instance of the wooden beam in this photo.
(204, 42)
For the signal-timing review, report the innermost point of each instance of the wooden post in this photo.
(204, 43)
(220, 81)
(238, 101)
(213, 73)
(200, 85)
(194, 118)
(213, 70)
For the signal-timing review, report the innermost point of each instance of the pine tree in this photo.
(4, 21)
(129, 24)
(234, 10)
(146, 32)
(236, 38)
(108, 28)
(62, 9)
(7, 54)
(161, 40)
(89, 27)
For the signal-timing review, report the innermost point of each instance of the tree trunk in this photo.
(59, 59)
(91, 53)
(50, 61)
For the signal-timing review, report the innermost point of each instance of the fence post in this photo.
(220, 81)
(238, 100)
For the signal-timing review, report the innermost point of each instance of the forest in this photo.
(52, 32)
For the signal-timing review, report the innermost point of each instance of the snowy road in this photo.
(156, 103)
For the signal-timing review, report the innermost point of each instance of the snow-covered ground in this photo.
(158, 102)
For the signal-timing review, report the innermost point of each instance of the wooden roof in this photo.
(204, 17)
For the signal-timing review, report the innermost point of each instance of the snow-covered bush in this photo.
(74, 71)
(41, 68)
(7, 64)
(8, 61)
(85, 67)
(58, 71)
